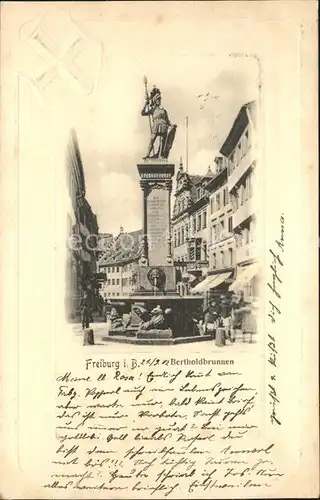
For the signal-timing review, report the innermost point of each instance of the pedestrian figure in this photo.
(85, 310)
(211, 319)
(227, 324)
(105, 310)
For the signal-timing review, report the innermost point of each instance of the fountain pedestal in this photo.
(155, 276)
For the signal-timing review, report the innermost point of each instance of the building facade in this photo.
(199, 228)
(190, 229)
(82, 233)
(231, 214)
(240, 149)
(222, 242)
(118, 263)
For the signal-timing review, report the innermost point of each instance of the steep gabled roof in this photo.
(247, 113)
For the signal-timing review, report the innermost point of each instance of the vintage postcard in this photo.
(159, 250)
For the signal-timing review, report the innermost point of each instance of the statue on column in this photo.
(160, 125)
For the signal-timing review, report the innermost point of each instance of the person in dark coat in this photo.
(85, 310)
(211, 318)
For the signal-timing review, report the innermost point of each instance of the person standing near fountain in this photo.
(85, 310)
(210, 318)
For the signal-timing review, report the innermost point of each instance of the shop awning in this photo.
(220, 278)
(210, 282)
(243, 277)
(188, 276)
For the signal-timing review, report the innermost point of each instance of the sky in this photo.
(113, 136)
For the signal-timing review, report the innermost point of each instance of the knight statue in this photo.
(160, 125)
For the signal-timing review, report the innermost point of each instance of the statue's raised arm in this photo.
(160, 125)
(146, 110)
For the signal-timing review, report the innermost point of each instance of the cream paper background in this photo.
(35, 341)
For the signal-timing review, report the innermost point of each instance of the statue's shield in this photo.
(169, 140)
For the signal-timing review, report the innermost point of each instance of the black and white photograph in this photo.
(159, 250)
(162, 222)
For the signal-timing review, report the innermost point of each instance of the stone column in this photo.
(168, 185)
(156, 186)
(144, 242)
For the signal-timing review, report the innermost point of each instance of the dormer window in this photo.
(200, 192)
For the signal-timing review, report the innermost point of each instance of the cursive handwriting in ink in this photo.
(152, 428)
(275, 285)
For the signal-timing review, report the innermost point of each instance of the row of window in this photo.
(114, 294)
(239, 151)
(218, 201)
(199, 221)
(247, 235)
(116, 281)
(181, 205)
(180, 236)
(198, 251)
(221, 228)
(182, 258)
(224, 258)
(116, 269)
(110, 269)
(242, 193)
(200, 192)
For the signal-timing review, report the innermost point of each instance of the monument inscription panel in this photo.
(157, 225)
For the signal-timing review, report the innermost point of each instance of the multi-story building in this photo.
(221, 254)
(190, 228)
(184, 196)
(221, 247)
(240, 148)
(82, 233)
(118, 263)
(198, 224)
(220, 236)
